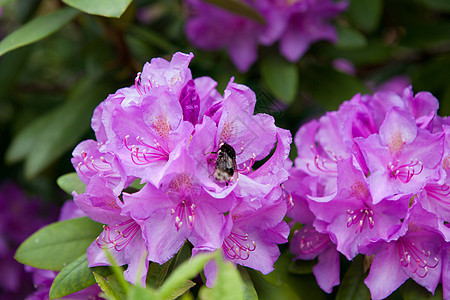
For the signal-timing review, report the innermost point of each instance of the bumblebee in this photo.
(226, 168)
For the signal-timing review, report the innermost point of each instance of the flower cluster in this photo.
(295, 24)
(372, 178)
(194, 150)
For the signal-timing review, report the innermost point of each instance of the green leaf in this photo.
(424, 35)
(442, 5)
(350, 38)
(328, 86)
(137, 184)
(240, 8)
(122, 284)
(182, 273)
(304, 286)
(365, 14)
(58, 244)
(269, 291)
(151, 38)
(37, 29)
(228, 284)
(157, 273)
(45, 139)
(302, 266)
(106, 287)
(141, 293)
(3, 2)
(75, 277)
(248, 287)
(71, 182)
(180, 290)
(116, 285)
(280, 77)
(352, 286)
(106, 8)
(411, 290)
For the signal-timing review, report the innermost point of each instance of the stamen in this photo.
(149, 153)
(234, 248)
(288, 198)
(412, 257)
(142, 88)
(184, 211)
(405, 172)
(322, 165)
(118, 236)
(89, 166)
(247, 169)
(360, 217)
(312, 241)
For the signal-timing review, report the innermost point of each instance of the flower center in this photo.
(418, 261)
(396, 142)
(312, 241)
(118, 236)
(234, 247)
(322, 164)
(184, 212)
(405, 172)
(360, 217)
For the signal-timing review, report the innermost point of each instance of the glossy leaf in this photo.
(71, 182)
(75, 277)
(106, 8)
(106, 287)
(267, 291)
(442, 5)
(137, 185)
(240, 8)
(350, 38)
(45, 139)
(365, 14)
(352, 286)
(180, 290)
(139, 293)
(116, 285)
(182, 273)
(302, 266)
(280, 77)
(248, 287)
(425, 35)
(58, 244)
(37, 29)
(228, 284)
(411, 290)
(3, 2)
(157, 273)
(334, 88)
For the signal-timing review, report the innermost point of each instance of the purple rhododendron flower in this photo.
(308, 244)
(121, 236)
(295, 24)
(414, 252)
(253, 229)
(194, 150)
(371, 178)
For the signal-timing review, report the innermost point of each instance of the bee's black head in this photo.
(228, 150)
